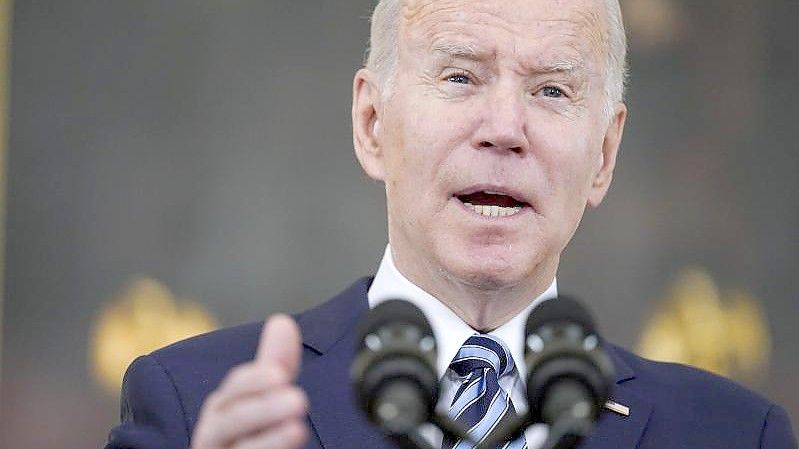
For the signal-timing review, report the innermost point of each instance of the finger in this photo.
(290, 435)
(246, 380)
(258, 414)
(280, 345)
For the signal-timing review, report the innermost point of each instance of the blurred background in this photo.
(174, 166)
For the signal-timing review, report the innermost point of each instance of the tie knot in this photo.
(482, 351)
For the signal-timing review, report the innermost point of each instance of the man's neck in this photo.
(483, 309)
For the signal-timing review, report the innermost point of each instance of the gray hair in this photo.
(381, 56)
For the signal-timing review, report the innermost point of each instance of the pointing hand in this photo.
(257, 405)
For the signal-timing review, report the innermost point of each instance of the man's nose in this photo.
(503, 124)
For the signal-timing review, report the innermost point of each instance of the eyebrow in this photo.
(471, 52)
(563, 66)
(459, 50)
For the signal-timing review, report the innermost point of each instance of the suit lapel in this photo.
(329, 333)
(613, 430)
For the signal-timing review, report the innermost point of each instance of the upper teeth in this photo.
(494, 211)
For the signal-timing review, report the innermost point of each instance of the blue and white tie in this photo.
(480, 404)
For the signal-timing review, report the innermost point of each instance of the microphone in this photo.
(570, 375)
(394, 370)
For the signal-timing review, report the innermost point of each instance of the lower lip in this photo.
(524, 211)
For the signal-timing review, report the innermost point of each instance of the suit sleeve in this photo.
(152, 415)
(777, 433)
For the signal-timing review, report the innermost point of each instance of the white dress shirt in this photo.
(451, 332)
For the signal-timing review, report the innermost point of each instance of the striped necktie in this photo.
(480, 403)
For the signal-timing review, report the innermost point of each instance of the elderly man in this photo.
(492, 124)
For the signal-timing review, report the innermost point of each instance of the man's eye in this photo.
(459, 78)
(550, 91)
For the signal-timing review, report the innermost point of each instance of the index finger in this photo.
(280, 345)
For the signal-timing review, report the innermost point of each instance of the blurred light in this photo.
(695, 325)
(142, 318)
(652, 23)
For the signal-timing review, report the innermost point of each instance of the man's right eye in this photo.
(459, 78)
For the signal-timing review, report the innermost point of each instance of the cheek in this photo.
(437, 127)
(567, 156)
(427, 140)
(410, 164)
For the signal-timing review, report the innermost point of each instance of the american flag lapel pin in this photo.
(617, 408)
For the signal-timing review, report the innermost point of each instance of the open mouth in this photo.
(491, 203)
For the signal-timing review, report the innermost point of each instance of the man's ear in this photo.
(366, 126)
(607, 158)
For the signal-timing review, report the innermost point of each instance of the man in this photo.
(492, 124)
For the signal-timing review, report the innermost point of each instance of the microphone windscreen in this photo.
(560, 309)
(395, 311)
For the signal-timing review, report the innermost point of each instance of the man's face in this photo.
(493, 139)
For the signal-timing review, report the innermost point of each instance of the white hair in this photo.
(382, 54)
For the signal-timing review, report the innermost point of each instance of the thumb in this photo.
(281, 345)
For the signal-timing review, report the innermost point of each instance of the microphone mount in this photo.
(396, 382)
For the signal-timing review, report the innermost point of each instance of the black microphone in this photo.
(569, 373)
(394, 370)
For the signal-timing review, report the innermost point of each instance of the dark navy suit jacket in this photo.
(671, 406)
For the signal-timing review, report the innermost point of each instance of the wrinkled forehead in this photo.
(532, 26)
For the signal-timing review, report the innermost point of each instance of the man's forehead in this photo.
(581, 20)
(413, 8)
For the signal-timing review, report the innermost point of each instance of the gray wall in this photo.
(207, 143)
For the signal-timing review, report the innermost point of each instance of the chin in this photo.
(487, 282)
(487, 269)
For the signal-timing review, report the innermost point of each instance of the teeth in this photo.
(493, 211)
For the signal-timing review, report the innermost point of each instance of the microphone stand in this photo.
(413, 440)
(567, 433)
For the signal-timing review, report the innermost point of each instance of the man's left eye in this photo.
(551, 91)
(459, 79)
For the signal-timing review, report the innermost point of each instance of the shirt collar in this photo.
(449, 329)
